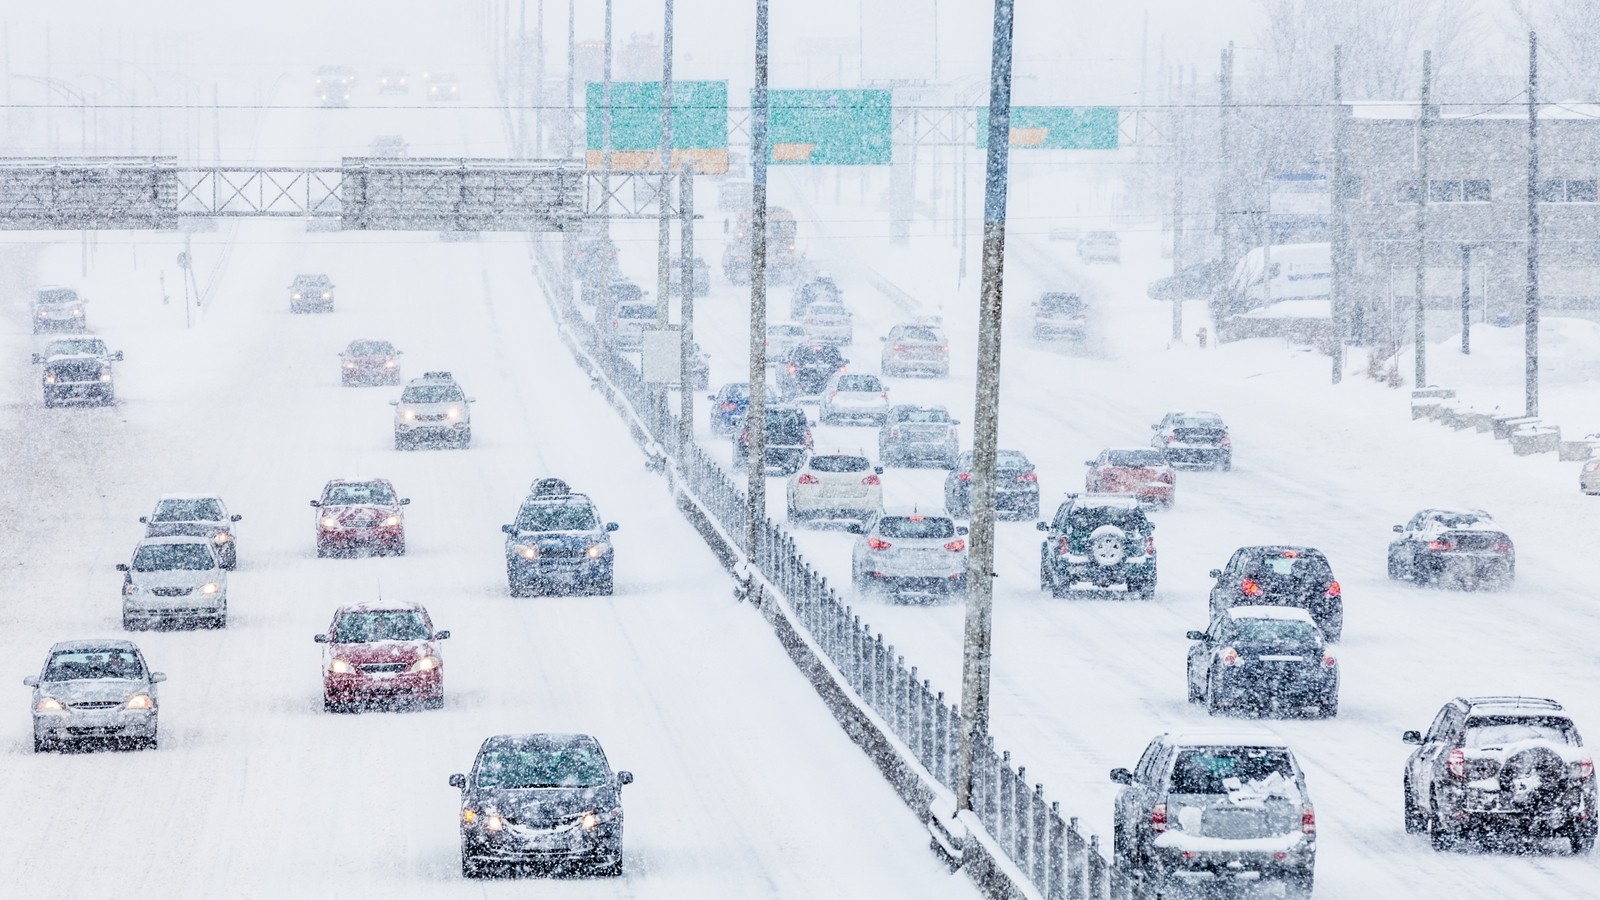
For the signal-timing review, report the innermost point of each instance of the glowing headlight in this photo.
(349, 365)
(527, 552)
(453, 413)
(140, 701)
(209, 587)
(408, 414)
(50, 378)
(326, 295)
(589, 821)
(469, 816)
(425, 664)
(77, 312)
(297, 296)
(341, 667)
(329, 523)
(389, 365)
(493, 822)
(105, 376)
(43, 314)
(597, 551)
(49, 704)
(391, 521)
(223, 537)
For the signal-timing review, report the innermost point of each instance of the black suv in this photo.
(1499, 767)
(1266, 657)
(1097, 541)
(558, 544)
(1453, 547)
(788, 441)
(804, 371)
(547, 800)
(1279, 575)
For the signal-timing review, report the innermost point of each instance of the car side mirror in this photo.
(1216, 573)
(612, 526)
(1195, 635)
(961, 529)
(1042, 526)
(1122, 776)
(442, 636)
(399, 353)
(1155, 427)
(856, 528)
(624, 778)
(877, 470)
(235, 517)
(458, 781)
(320, 638)
(157, 677)
(1412, 737)
(884, 340)
(1088, 462)
(117, 356)
(144, 520)
(472, 399)
(711, 397)
(405, 501)
(315, 503)
(31, 681)
(122, 567)
(394, 402)
(38, 358)
(1399, 529)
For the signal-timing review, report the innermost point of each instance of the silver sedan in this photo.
(94, 690)
(911, 554)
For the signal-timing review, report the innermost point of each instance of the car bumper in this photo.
(1196, 456)
(80, 390)
(1466, 565)
(855, 507)
(1070, 572)
(371, 375)
(917, 363)
(558, 569)
(874, 413)
(58, 323)
(1216, 864)
(917, 582)
(908, 450)
(1046, 328)
(439, 432)
(413, 686)
(1484, 810)
(1284, 690)
(95, 724)
(148, 607)
(519, 845)
(350, 538)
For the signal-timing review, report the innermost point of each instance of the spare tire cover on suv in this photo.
(1532, 778)
(1108, 545)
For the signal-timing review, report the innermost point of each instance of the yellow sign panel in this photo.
(704, 161)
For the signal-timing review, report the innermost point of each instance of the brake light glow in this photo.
(1291, 554)
(808, 479)
(1149, 545)
(1227, 441)
(1442, 544)
(1166, 477)
(1158, 818)
(1172, 438)
(1028, 476)
(1334, 590)
(1250, 588)
(1230, 656)
(1308, 819)
(793, 368)
(883, 394)
(964, 476)
(1502, 547)
(956, 546)
(899, 347)
(833, 393)
(1328, 661)
(1061, 546)
(806, 441)
(870, 479)
(729, 407)
(915, 518)
(877, 543)
(944, 348)
(1585, 769)
(1456, 763)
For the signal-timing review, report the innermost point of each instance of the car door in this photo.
(1224, 583)
(1201, 652)
(1131, 799)
(1424, 761)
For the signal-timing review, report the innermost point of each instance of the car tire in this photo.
(471, 868)
(433, 703)
(1214, 705)
(1227, 463)
(41, 745)
(1581, 835)
(1329, 707)
(1441, 839)
(1396, 571)
(401, 443)
(153, 742)
(604, 586)
(1194, 689)
(398, 549)
(517, 587)
(1415, 821)
(1146, 592)
(129, 623)
(609, 868)
(49, 402)
(219, 622)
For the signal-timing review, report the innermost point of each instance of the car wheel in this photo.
(470, 868)
(1213, 699)
(1227, 463)
(1438, 834)
(1581, 834)
(153, 742)
(1416, 822)
(398, 548)
(1396, 571)
(603, 586)
(609, 867)
(1194, 689)
(518, 587)
(1329, 707)
(49, 403)
(219, 621)
(433, 703)
(41, 745)
(129, 623)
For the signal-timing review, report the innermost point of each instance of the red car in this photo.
(1141, 471)
(382, 654)
(360, 515)
(369, 362)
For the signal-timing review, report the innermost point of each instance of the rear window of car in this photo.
(626, 293)
(77, 347)
(839, 463)
(358, 493)
(1498, 731)
(786, 426)
(917, 333)
(432, 393)
(1061, 303)
(1296, 563)
(636, 311)
(1213, 770)
(111, 662)
(916, 527)
(1461, 520)
(1136, 458)
(380, 625)
(925, 416)
(201, 510)
(56, 295)
(1196, 422)
(1088, 518)
(1275, 631)
(860, 383)
(167, 557)
(737, 391)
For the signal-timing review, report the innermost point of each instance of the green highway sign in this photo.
(1057, 127)
(699, 124)
(831, 128)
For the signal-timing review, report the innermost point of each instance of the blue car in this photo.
(728, 406)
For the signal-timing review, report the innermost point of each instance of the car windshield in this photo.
(1090, 517)
(542, 767)
(1291, 563)
(1061, 303)
(1208, 770)
(1136, 458)
(559, 515)
(916, 527)
(1460, 519)
(358, 493)
(1101, 236)
(917, 333)
(371, 348)
(202, 509)
(381, 625)
(828, 310)
(625, 292)
(636, 312)
(109, 662)
(736, 391)
(819, 289)
(839, 464)
(1009, 459)
(925, 416)
(1498, 731)
(50, 296)
(310, 281)
(77, 347)
(192, 557)
(1274, 631)
(828, 356)
(865, 383)
(432, 393)
(786, 331)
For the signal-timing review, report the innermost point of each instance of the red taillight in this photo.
(956, 546)
(1456, 763)
(964, 476)
(870, 479)
(1230, 656)
(1502, 547)
(1585, 769)
(793, 368)
(808, 479)
(1250, 588)
(1149, 545)
(1158, 818)
(877, 543)
(1442, 544)
(1172, 438)
(883, 394)
(806, 441)
(1334, 590)
(894, 432)
(615, 324)
(944, 348)
(1328, 661)
(899, 346)
(1227, 441)
(1027, 476)
(1308, 819)
(1061, 546)
(810, 322)
(729, 407)
(1166, 477)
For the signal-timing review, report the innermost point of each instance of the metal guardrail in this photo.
(1051, 854)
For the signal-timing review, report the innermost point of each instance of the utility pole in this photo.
(976, 659)
(1420, 313)
(1225, 146)
(1466, 299)
(756, 412)
(1341, 237)
(664, 231)
(538, 87)
(570, 114)
(1530, 320)
(686, 307)
(604, 309)
(519, 130)
(1177, 212)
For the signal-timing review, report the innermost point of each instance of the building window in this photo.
(1407, 191)
(1446, 190)
(1568, 190)
(1475, 190)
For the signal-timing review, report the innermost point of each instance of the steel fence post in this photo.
(1096, 870)
(1057, 858)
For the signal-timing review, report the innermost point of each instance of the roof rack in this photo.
(440, 375)
(1531, 702)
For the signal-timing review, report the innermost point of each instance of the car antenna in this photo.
(380, 588)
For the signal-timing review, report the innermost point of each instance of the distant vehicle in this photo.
(629, 321)
(95, 690)
(196, 515)
(1098, 541)
(782, 258)
(820, 289)
(1139, 471)
(835, 486)
(699, 369)
(58, 309)
(542, 800)
(367, 361)
(702, 278)
(1058, 232)
(1266, 275)
(360, 514)
(828, 323)
(432, 409)
(783, 337)
(558, 544)
(1279, 575)
(1206, 806)
(914, 435)
(176, 580)
(1463, 548)
(77, 369)
(788, 441)
(334, 84)
(443, 88)
(1016, 486)
(910, 553)
(728, 406)
(1589, 477)
(389, 146)
(1499, 768)
(311, 293)
(1263, 657)
(849, 398)
(1100, 246)
(384, 654)
(806, 369)
(1193, 438)
(920, 348)
(1200, 281)
(1060, 315)
(392, 81)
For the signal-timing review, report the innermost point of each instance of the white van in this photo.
(1267, 275)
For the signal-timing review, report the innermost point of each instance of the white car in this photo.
(828, 323)
(919, 347)
(175, 580)
(195, 515)
(1589, 477)
(836, 486)
(628, 322)
(783, 337)
(94, 690)
(432, 409)
(911, 554)
(853, 398)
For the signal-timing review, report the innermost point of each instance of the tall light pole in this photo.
(664, 221)
(756, 412)
(1420, 331)
(975, 664)
(570, 117)
(1530, 310)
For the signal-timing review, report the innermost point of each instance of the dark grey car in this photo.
(541, 800)
(918, 435)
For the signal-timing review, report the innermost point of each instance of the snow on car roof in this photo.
(381, 606)
(1483, 521)
(1110, 500)
(1216, 737)
(106, 643)
(188, 496)
(175, 539)
(932, 512)
(1512, 706)
(1288, 613)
